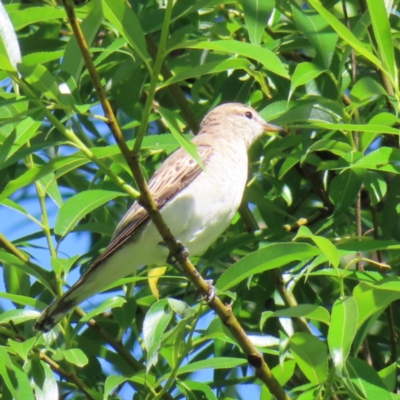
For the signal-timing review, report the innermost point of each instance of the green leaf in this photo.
(358, 127)
(41, 57)
(256, 15)
(63, 265)
(359, 276)
(372, 299)
(282, 373)
(345, 34)
(342, 331)
(389, 376)
(261, 54)
(6, 365)
(112, 382)
(50, 186)
(125, 314)
(367, 244)
(270, 257)
(154, 326)
(193, 390)
(18, 316)
(181, 308)
(214, 363)
(15, 280)
(38, 273)
(344, 188)
(325, 112)
(383, 34)
(359, 31)
(173, 125)
(110, 303)
(23, 300)
(76, 357)
(334, 146)
(382, 159)
(365, 90)
(207, 68)
(317, 31)
(376, 186)
(310, 311)
(41, 79)
(304, 73)
(9, 38)
(64, 164)
(31, 15)
(48, 390)
(310, 354)
(78, 206)
(5, 64)
(365, 381)
(23, 348)
(383, 118)
(324, 244)
(125, 20)
(30, 176)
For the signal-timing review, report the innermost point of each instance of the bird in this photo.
(196, 202)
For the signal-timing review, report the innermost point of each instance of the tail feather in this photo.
(99, 276)
(54, 313)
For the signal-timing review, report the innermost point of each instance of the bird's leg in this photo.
(181, 253)
(211, 292)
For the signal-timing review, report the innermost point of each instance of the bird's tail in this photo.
(101, 273)
(54, 313)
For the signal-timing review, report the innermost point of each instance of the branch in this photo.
(120, 349)
(254, 357)
(68, 376)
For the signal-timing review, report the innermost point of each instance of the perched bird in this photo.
(197, 205)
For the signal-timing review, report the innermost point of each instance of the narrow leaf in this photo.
(267, 258)
(383, 35)
(310, 354)
(76, 207)
(342, 331)
(266, 57)
(256, 14)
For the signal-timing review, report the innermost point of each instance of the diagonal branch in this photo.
(254, 357)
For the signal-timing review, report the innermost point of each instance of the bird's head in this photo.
(237, 119)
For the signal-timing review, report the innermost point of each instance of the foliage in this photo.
(305, 264)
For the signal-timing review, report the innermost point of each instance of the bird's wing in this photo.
(174, 174)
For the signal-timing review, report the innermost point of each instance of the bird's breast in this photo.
(202, 211)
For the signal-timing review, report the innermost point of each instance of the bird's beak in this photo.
(273, 128)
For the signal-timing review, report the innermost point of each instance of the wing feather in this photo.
(174, 174)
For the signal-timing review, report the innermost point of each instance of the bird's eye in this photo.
(249, 115)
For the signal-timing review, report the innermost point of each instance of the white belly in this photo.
(201, 212)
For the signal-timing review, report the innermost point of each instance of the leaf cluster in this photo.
(309, 263)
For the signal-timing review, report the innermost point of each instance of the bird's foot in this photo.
(180, 254)
(210, 296)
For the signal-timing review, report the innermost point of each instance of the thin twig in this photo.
(356, 137)
(69, 376)
(120, 349)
